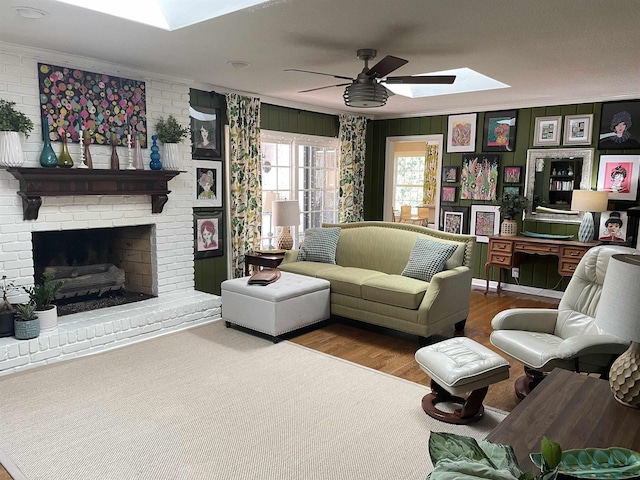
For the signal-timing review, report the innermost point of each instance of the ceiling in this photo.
(549, 52)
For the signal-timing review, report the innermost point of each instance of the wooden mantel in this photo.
(61, 182)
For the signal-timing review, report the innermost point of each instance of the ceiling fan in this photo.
(367, 89)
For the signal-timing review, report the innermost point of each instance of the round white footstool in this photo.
(456, 366)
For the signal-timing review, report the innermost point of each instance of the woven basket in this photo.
(509, 228)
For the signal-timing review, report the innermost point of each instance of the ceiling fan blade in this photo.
(318, 73)
(421, 80)
(322, 88)
(385, 66)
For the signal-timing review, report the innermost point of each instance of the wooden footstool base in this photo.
(456, 366)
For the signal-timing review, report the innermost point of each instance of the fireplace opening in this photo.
(101, 267)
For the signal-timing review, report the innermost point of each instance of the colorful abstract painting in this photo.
(479, 177)
(73, 99)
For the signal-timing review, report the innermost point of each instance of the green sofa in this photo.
(367, 282)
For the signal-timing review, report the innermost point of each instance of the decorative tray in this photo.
(597, 463)
(271, 251)
(548, 236)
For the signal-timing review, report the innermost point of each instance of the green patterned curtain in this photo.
(352, 157)
(430, 172)
(245, 177)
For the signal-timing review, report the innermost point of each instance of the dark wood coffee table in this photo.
(575, 411)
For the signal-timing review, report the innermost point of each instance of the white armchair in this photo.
(543, 339)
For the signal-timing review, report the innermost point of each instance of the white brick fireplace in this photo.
(177, 305)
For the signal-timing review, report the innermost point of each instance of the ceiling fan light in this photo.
(365, 95)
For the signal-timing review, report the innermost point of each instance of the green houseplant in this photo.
(7, 310)
(170, 133)
(42, 296)
(26, 322)
(12, 124)
(511, 207)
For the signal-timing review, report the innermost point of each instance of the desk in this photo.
(270, 260)
(507, 252)
(573, 410)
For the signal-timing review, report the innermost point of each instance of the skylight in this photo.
(166, 14)
(467, 80)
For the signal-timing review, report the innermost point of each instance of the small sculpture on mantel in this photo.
(115, 161)
(88, 162)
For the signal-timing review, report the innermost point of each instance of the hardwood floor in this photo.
(393, 352)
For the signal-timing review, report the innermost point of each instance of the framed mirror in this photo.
(552, 175)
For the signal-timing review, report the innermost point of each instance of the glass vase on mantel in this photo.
(64, 159)
(155, 164)
(137, 154)
(48, 157)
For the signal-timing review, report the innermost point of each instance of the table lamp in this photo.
(588, 201)
(285, 214)
(619, 314)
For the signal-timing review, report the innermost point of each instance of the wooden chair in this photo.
(405, 213)
(423, 216)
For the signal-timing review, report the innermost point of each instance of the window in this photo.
(299, 167)
(409, 179)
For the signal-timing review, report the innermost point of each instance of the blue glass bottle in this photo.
(155, 155)
(48, 157)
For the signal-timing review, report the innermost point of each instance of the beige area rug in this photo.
(216, 403)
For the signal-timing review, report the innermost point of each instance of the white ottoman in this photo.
(456, 366)
(292, 302)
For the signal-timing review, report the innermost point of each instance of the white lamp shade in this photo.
(286, 213)
(589, 201)
(619, 306)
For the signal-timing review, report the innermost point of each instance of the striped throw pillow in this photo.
(427, 258)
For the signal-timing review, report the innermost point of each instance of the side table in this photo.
(260, 260)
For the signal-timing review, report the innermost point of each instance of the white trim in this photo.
(389, 170)
(510, 287)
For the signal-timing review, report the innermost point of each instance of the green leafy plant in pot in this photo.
(511, 207)
(26, 321)
(170, 133)
(43, 296)
(7, 310)
(13, 124)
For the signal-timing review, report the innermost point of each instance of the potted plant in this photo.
(12, 124)
(511, 207)
(170, 133)
(26, 322)
(43, 295)
(6, 309)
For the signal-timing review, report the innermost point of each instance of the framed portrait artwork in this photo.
(449, 194)
(457, 222)
(449, 174)
(205, 132)
(512, 174)
(479, 177)
(578, 129)
(485, 221)
(207, 233)
(618, 174)
(613, 226)
(461, 133)
(515, 190)
(207, 184)
(547, 131)
(619, 125)
(499, 131)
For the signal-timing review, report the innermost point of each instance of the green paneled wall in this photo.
(538, 271)
(291, 120)
(211, 272)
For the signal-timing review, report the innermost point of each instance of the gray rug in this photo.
(216, 403)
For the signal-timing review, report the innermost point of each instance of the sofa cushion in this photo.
(348, 280)
(320, 245)
(427, 258)
(395, 290)
(311, 269)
